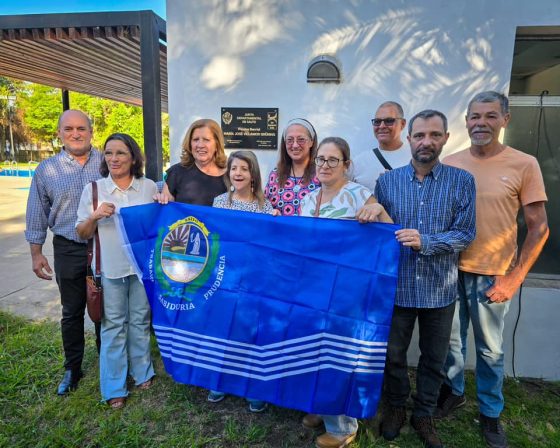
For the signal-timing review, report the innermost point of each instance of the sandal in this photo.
(146, 384)
(116, 403)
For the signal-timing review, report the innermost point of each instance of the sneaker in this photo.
(426, 431)
(447, 402)
(215, 396)
(257, 406)
(394, 419)
(329, 440)
(312, 421)
(493, 432)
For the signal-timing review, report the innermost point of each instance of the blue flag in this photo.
(289, 310)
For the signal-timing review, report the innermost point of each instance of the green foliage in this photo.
(40, 106)
(109, 117)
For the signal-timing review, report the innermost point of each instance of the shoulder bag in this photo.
(382, 159)
(93, 281)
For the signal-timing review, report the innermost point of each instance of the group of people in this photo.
(458, 239)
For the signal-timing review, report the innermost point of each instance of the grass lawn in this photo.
(174, 415)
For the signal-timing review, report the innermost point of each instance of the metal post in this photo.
(151, 94)
(13, 149)
(11, 105)
(65, 100)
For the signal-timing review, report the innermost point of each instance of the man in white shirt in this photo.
(388, 125)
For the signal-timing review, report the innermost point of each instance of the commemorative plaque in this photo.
(250, 128)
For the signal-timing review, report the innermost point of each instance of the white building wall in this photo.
(422, 53)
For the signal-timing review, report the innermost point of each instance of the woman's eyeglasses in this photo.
(332, 162)
(300, 141)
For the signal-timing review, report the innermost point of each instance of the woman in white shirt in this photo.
(125, 327)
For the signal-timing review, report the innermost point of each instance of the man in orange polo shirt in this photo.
(490, 269)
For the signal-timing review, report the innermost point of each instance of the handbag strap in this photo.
(97, 245)
(318, 204)
(382, 159)
(96, 236)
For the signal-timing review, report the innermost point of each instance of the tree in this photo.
(41, 107)
(38, 108)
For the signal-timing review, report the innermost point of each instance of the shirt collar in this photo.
(436, 170)
(70, 157)
(111, 186)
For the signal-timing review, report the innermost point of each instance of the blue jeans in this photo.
(488, 325)
(125, 336)
(434, 325)
(340, 425)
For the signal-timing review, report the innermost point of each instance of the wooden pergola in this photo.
(121, 56)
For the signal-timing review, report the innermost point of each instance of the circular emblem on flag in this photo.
(184, 251)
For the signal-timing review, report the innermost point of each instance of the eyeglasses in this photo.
(332, 162)
(388, 121)
(300, 141)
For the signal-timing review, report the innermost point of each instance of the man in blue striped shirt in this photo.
(53, 201)
(435, 205)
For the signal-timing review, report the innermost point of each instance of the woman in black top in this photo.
(199, 177)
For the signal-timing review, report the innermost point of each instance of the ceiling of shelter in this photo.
(102, 61)
(536, 49)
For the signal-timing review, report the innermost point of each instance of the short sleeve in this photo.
(307, 206)
(364, 195)
(219, 201)
(171, 180)
(85, 208)
(532, 189)
(271, 186)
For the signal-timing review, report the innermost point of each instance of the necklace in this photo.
(297, 186)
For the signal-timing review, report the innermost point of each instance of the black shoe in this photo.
(426, 431)
(394, 419)
(69, 381)
(444, 392)
(493, 432)
(447, 402)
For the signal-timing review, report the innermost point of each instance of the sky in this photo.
(8, 7)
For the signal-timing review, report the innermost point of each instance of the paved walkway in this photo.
(21, 292)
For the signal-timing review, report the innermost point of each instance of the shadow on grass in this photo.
(174, 415)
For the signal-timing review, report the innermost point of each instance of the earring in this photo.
(232, 188)
(252, 186)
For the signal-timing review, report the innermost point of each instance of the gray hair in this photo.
(490, 96)
(425, 114)
(395, 105)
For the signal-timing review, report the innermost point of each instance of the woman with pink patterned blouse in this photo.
(294, 176)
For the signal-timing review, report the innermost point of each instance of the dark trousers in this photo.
(434, 331)
(70, 265)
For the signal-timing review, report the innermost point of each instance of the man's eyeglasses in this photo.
(332, 162)
(388, 121)
(300, 141)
